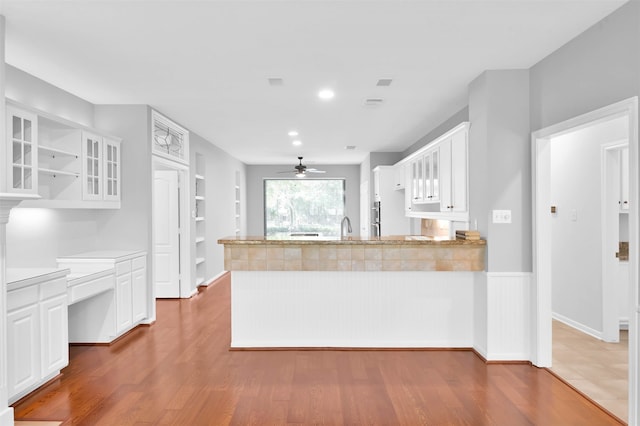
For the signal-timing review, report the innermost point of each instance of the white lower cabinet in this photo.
(24, 349)
(103, 315)
(139, 293)
(131, 292)
(37, 333)
(55, 330)
(124, 313)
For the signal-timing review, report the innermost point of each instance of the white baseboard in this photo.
(211, 280)
(6, 416)
(578, 326)
(624, 324)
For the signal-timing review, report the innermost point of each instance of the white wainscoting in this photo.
(507, 334)
(352, 309)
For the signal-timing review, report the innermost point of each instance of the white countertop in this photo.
(23, 277)
(106, 255)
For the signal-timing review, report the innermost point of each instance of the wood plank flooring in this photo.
(180, 372)
(598, 369)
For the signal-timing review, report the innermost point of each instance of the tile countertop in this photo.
(388, 240)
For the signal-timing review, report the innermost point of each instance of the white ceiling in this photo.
(205, 64)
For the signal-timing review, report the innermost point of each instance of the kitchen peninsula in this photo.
(396, 291)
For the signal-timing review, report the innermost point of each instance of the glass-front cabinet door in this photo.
(91, 166)
(22, 144)
(111, 170)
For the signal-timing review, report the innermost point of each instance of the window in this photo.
(303, 206)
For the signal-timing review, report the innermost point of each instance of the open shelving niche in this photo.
(237, 206)
(59, 160)
(199, 218)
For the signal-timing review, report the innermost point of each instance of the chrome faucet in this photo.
(349, 230)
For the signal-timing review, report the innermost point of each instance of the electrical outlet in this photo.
(501, 216)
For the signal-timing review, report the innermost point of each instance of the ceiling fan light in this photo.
(300, 175)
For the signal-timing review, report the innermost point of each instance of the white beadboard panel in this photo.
(480, 315)
(508, 319)
(352, 309)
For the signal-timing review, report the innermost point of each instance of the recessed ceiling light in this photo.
(296, 143)
(293, 133)
(326, 94)
(350, 147)
(384, 82)
(275, 81)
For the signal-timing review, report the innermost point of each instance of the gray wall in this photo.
(500, 166)
(255, 191)
(457, 118)
(39, 94)
(219, 171)
(128, 228)
(599, 67)
(577, 244)
(35, 237)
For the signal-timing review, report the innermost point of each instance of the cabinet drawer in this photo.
(123, 267)
(22, 297)
(90, 288)
(139, 262)
(53, 288)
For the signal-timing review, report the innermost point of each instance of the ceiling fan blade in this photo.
(316, 171)
(288, 171)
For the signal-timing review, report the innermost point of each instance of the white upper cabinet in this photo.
(91, 166)
(399, 176)
(454, 173)
(417, 180)
(22, 145)
(432, 176)
(436, 184)
(111, 156)
(65, 163)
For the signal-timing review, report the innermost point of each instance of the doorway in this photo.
(171, 249)
(543, 231)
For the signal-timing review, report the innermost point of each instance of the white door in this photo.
(166, 231)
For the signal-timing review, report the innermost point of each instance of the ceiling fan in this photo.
(300, 170)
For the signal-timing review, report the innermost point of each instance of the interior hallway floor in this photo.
(598, 369)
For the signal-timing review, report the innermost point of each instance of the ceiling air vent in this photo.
(384, 82)
(276, 82)
(373, 102)
(350, 147)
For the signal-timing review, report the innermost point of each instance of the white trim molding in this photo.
(541, 285)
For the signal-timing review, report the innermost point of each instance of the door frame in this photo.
(541, 333)
(160, 163)
(610, 236)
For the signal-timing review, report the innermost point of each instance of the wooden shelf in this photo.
(55, 173)
(199, 240)
(199, 260)
(199, 177)
(199, 198)
(199, 219)
(57, 151)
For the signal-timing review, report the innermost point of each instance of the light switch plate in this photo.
(501, 216)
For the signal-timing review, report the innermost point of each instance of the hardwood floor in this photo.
(179, 371)
(598, 369)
